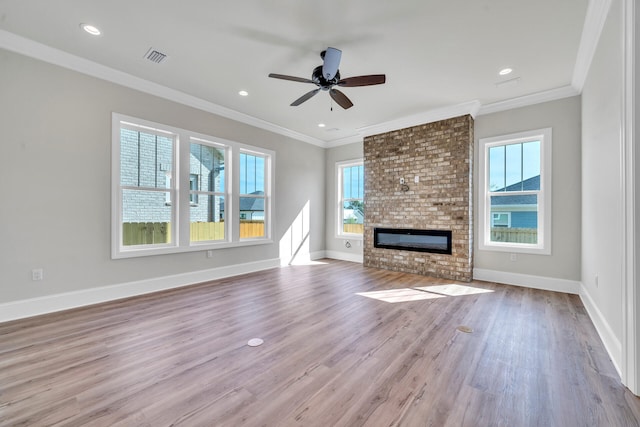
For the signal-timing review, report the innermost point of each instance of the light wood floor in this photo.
(331, 357)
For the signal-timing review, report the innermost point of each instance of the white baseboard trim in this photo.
(345, 256)
(302, 258)
(64, 301)
(608, 337)
(528, 281)
(317, 255)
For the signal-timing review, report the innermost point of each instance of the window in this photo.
(500, 219)
(146, 217)
(515, 192)
(207, 191)
(173, 192)
(193, 186)
(350, 179)
(252, 194)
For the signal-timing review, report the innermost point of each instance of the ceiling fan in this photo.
(327, 75)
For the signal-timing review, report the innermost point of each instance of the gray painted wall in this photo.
(336, 246)
(563, 116)
(601, 176)
(55, 176)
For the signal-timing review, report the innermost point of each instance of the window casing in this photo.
(350, 199)
(175, 191)
(514, 193)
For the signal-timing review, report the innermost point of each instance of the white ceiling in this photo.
(439, 56)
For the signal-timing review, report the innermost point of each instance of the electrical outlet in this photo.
(513, 257)
(37, 274)
(416, 179)
(209, 254)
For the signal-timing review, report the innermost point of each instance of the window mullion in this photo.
(182, 190)
(234, 198)
(505, 167)
(522, 166)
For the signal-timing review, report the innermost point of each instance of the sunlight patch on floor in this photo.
(400, 295)
(454, 290)
(423, 293)
(307, 261)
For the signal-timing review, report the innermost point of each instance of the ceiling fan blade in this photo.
(291, 78)
(341, 98)
(304, 97)
(331, 62)
(373, 79)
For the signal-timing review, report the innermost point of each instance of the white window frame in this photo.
(340, 166)
(543, 246)
(180, 191)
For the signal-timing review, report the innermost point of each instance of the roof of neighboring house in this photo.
(255, 204)
(353, 213)
(251, 204)
(532, 183)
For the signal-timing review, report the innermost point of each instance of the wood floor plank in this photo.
(344, 345)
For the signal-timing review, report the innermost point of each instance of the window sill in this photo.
(521, 249)
(350, 236)
(193, 247)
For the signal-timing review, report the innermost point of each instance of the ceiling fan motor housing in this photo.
(321, 82)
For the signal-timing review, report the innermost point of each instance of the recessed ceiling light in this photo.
(94, 31)
(321, 125)
(243, 93)
(505, 71)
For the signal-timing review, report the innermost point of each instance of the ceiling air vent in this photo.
(155, 56)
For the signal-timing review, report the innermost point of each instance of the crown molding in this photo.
(474, 108)
(27, 47)
(471, 108)
(597, 12)
(344, 141)
(532, 99)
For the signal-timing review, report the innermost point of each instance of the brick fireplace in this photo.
(440, 155)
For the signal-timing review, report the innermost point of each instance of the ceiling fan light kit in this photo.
(327, 75)
(331, 61)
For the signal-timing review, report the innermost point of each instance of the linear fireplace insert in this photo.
(408, 239)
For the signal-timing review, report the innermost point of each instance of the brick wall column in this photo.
(441, 155)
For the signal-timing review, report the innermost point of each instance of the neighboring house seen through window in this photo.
(515, 192)
(350, 179)
(172, 192)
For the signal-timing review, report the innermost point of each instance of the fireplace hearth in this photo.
(409, 239)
